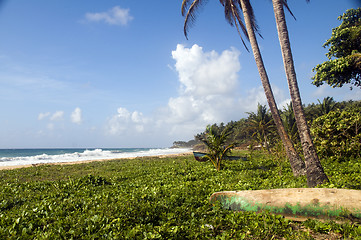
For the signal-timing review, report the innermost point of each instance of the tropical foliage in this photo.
(327, 105)
(262, 126)
(156, 198)
(248, 130)
(344, 54)
(337, 134)
(289, 121)
(217, 146)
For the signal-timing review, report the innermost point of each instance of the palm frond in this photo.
(251, 14)
(285, 4)
(185, 5)
(238, 22)
(227, 12)
(232, 13)
(190, 16)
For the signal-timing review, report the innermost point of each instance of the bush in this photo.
(338, 134)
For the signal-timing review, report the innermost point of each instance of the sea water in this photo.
(13, 157)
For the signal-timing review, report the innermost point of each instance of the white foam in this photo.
(95, 154)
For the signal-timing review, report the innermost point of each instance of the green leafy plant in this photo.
(262, 126)
(338, 134)
(217, 146)
(156, 198)
(344, 65)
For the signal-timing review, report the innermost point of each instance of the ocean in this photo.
(14, 157)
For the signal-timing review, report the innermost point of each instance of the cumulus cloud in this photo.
(58, 115)
(76, 116)
(114, 16)
(206, 73)
(210, 92)
(207, 94)
(209, 86)
(125, 121)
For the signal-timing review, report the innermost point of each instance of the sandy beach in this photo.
(88, 161)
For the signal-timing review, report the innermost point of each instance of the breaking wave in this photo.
(57, 156)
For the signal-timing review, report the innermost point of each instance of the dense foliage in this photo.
(258, 126)
(338, 134)
(344, 65)
(156, 198)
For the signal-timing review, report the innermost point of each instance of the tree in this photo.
(327, 105)
(216, 142)
(345, 46)
(262, 125)
(314, 170)
(289, 121)
(232, 9)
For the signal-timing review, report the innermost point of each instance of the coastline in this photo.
(89, 161)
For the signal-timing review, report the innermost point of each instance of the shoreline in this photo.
(89, 161)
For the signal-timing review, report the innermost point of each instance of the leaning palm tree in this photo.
(315, 173)
(232, 9)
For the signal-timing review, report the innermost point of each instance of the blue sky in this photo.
(120, 73)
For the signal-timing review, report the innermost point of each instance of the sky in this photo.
(120, 73)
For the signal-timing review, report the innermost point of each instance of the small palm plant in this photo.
(216, 141)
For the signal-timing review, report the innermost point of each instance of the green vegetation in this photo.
(216, 142)
(262, 126)
(253, 130)
(344, 65)
(157, 198)
(338, 134)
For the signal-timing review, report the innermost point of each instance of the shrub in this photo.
(338, 134)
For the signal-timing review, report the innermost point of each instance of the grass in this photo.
(156, 198)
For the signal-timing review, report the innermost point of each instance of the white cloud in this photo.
(123, 114)
(114, 16)
(125, 121)
(43, 115)
(206, 73)
(209, 92)
(76, 116)
(137, 117)
(209, 85)
(58, 115)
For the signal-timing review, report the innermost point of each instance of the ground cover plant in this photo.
(157, 198)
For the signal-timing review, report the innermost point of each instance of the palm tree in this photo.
(289, 121)
(327, 105)
(262, 125)
(232, 10)
(314, 170)
(216, 141)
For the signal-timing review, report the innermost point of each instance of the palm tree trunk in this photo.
(297, 164)
(314, 170)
